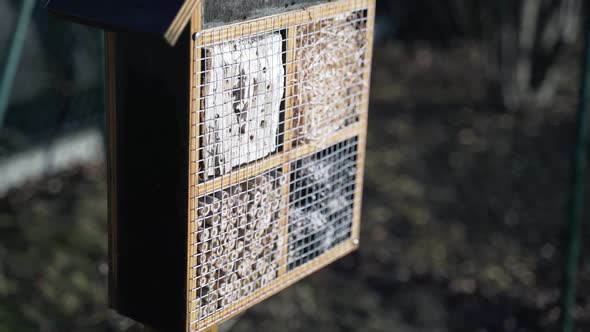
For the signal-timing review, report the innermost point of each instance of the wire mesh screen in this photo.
(321, 201)
(277, 138)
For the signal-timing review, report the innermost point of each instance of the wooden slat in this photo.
(339, 136)
(240, 175)
(195, 77)
(274, 161)
(185, 14)
(362, 143)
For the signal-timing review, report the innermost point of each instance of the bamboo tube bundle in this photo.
(222, 236)
(211, 308)
(222, 289)
(230, 244)
(203, 247)
(204, 210)
(244, 291)
(214, 261)
(258, 233)
(223, 224)
(214, 233)
(248, 238)
(233, 234)
(251, 213)
(216, 219)
(224, 196)
(203, 281)
(234, 256)
(204, 270)
(234, 295)
(239, 246)
(203, 311)
(230, 289)
(265, 241)
(263, 280)
(264, 200)
(261, 266)
(244, 198)
(275, 203)
(244, 268)
(218, 251)
(212, 297)
(230, 266)
(197, 301)
(257, 198)
(238, 240)
(267, 253)
(226, 210)
(237, 288)
(258, 249)
(260, 181)
(260, 213)
(202, 258)
(242, 221)
(213, 203)
(225, 302)
(328, 78)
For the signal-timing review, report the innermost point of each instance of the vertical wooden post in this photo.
(288, 140)
(363, 120)
(194, 133)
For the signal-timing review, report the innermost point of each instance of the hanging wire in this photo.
(576, 203)
(14, 54)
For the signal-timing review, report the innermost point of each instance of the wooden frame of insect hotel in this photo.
(236, 156)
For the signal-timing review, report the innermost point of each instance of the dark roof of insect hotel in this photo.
(167, 17)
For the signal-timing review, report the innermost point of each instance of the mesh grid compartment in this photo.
(321, 201)
(328, 78)
(238, 240)
(244, 84)
(278, 132)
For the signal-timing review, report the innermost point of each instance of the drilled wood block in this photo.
(244, 87)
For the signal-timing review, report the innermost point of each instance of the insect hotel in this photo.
(237, 134)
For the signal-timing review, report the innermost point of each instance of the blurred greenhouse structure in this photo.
(54, 115)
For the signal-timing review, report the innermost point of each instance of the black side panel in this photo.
(138, 15)
(152, 115)
(217, 12)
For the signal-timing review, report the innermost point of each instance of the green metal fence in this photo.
(51, 78)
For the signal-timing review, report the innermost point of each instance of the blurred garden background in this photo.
(471, 133)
